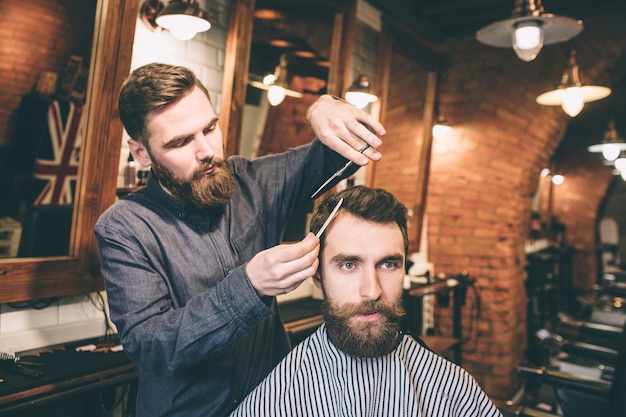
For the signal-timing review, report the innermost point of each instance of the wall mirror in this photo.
(303, 44)
(309, 38)
(78, 271)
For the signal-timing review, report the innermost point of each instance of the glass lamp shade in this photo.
(620, 164)
(623, 175)
(610, 151)
(360, 99)
(359, 94)
(611, 146)
(528, 39)
(183, 18)
(558, 179)
(572, 99)
(276, 94)
(535, 27)
(441, 128)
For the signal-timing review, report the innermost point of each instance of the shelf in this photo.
(441, 344)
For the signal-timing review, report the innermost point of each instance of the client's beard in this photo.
(364, 339)
(205, 191)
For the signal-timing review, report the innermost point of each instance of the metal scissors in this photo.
(341, 170)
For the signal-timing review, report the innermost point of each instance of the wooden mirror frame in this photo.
(34, 278)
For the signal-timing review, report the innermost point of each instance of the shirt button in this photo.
(228, 270)
(181, 215)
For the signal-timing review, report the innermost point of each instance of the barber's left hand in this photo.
(341, 127)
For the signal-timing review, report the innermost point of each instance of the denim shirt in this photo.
(177, 288)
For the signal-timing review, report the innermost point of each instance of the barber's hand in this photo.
(282, 269)
(341, 127)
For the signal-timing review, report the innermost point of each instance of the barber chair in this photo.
(578, 392)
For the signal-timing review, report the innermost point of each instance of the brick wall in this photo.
(483, 177)
(38, 36)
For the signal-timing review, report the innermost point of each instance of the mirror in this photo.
(291, 44)
(311, 36)
(78, 272)
(41, 137)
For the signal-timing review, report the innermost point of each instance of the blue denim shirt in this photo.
(177, 288)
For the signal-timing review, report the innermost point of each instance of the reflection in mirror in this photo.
(41, 119)
(291, 42)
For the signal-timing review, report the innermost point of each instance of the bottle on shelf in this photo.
(130, 172)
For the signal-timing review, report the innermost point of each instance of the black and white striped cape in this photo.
(317, 379)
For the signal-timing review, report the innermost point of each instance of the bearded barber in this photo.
(192, 262)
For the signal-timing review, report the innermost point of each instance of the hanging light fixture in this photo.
(555, 177)
(183, 18)
(529, 28)
(360, 93)
(276, 84)
(611, 146)
(571, 95)
(441, 127)
(620, 162)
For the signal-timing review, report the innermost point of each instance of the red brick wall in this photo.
(483, 177)
(38, 36)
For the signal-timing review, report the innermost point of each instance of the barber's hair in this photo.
(152, 87)
(371, 204)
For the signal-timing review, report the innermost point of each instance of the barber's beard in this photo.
(364, 339)
(204, 191)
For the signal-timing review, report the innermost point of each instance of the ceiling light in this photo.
(183, 18)
(571, 95)
(441, 128)
(611, 146)
(528, 29)
(276, 84)
(360, 93)
(620, 163)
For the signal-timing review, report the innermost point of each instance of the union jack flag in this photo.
(57, 164)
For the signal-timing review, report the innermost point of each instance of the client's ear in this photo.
(317, 279)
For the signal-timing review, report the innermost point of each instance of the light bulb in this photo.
(620, 164)
(440, 130)
(528, 39)
(573, 101)
(610, 151)
(558, 179)
(275, 95)
(269, 79)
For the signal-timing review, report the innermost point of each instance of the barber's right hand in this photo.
(282, 269)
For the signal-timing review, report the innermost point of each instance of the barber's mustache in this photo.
(214, 164)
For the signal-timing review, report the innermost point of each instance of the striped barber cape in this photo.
(317, 379)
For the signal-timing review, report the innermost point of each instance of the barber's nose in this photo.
(370, 285)
(204, 150)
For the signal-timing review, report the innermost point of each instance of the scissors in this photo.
(341, 170)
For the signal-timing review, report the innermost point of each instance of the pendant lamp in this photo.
(441, 127)
(360, 93)
(276, 84)
(611, 146)
(528, 29)
(183, 18)
(571, 94)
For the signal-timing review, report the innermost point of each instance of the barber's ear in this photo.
(317, 279)
(140, 153)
